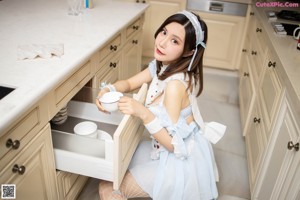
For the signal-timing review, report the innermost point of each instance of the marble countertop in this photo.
(43, 22)
(285, 47)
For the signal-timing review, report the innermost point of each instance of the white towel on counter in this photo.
(32, 51)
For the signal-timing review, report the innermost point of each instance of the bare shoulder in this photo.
(175, 87)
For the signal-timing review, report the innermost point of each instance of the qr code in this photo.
(8, 191)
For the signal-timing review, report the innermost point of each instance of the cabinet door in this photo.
(247, 93)
(255, 144)
(270, 91)
(156, 14)
(34, 169)
(224, 40)
(132, 57)
(279, 157)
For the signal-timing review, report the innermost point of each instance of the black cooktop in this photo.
(289, 15)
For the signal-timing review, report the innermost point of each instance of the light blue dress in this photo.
(190, 172)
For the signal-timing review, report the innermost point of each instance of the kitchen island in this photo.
(98, 45)
(45, 23)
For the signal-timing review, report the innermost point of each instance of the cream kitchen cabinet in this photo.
(270, 91)
(26, 155)
(105, 65)
(132, 49)
(109, 62)
(106, 159)
(278, 177)
(258, 46)
(247, 91)
(69, 185)
(225, 39)
(256, 144)
(32, 170)
(270, 117)
(65, 90)
(121, 56)
(109, 72)
(157, 12)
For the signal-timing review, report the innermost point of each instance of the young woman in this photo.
(179, 163)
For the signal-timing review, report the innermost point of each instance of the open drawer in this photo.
(106, 159)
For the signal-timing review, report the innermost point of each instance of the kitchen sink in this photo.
(5, 91)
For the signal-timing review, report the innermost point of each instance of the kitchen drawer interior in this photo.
(103, 158)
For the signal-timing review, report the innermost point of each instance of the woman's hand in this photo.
(100, 94)
(130, 106)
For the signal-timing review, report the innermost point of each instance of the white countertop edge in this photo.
(29, 90)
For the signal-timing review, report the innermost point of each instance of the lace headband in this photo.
(198, 32)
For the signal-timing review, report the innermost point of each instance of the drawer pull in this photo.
(256, 120)
(251, 13)
(135, 27)
(113, 65)
(113, 47)
(20, 170)
(246, 74)
(291, 145)
(244, 50)
(270, 64)
(12, 144)
(135, 41)
(253, 52)
(258, 30)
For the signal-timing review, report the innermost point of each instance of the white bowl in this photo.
(110, 100)
(87, 128)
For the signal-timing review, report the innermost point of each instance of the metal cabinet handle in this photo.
(270, 64)
(12, 144)
(251, 13)
(244, 50)
(20, 170)
(291, 145)
(135, 27)
(254, 52)
(113, 47)
(246, 74)
(258, 30)
(256, 120)
(113, 65)
(135, 41)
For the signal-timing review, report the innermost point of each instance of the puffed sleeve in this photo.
(152, 67)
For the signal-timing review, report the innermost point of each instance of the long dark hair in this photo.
(181, 65)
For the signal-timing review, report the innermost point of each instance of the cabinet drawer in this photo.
(109, 71)
(111, 48)
(70, 185)
(258, 58)
(65, 91)
(134, 27)
(102, 159)
(22, 132)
